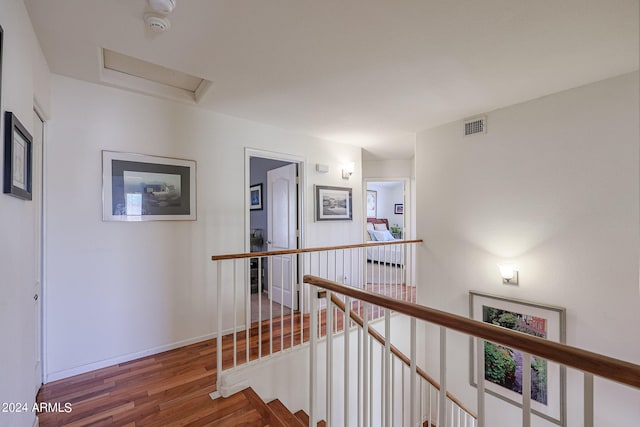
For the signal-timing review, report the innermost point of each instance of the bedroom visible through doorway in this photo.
(385, 204)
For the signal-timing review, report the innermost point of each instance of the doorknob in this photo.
(35, 297)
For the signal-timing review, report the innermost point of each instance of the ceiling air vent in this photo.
(475, 125)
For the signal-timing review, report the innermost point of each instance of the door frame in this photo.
(408, 200)
(301, 162)
(39, 112)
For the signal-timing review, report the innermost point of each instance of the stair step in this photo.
(304, 417)
(284, 414)
(267, 416)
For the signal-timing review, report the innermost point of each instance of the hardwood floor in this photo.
(172, 388)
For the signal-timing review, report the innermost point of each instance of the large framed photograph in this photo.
(372, 204)
(17, 158)
(137, 187)
(503, 365)
(255, 197)
(333, 203)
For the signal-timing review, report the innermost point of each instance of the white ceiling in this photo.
(366, 72)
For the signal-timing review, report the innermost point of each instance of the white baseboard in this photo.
(54, 376)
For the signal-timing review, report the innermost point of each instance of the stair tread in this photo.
(284, 414)
(304, 417)
(268, 416)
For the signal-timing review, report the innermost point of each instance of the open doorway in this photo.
(274, 225)
(386, 203)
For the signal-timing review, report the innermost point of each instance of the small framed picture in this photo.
(372, 204)
(17, 158)
(398, 208)
(137, 187)
(255, 197)
(333, 203)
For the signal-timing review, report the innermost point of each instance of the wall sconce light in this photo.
(347, 170)
(509, 274)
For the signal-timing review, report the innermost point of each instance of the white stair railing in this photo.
(427, 407)
(261, 297)
(390, 389)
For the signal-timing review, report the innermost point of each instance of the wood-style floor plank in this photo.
(172, 388)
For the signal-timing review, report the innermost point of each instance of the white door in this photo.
(281, 233)
(37, 150)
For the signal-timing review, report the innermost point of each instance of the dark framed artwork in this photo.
(255, 197)
(503, 365)
(17, 158)
(398, 208)
(333, 203)
(137, 187)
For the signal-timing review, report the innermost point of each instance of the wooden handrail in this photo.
(400, 355)
(594, 363)
(306, 250)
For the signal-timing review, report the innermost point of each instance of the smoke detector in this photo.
(162, 6)
(157, 22)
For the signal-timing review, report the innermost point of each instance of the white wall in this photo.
(24, 79)
(553, 187)
(121, 290)
(388, 168)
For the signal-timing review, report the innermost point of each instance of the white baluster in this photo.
(480, 380)
(219, 320)
(235, 314)
(526, 390)
(313, 342)
(413, 373)
(387, 367)
(329, 358)
(588, 400)
(347, 341)
(442, 410)
(365, 365)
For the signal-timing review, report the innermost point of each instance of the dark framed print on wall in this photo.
(17, 158)
(139, 187)
(255, 197)
(333, 203)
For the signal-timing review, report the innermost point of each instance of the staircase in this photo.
(247, 408)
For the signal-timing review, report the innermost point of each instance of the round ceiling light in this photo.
(162, 6)
(157, 22)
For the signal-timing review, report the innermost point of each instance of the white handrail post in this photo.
(346, 323)
(219, 321)
(365, 365)
(480, 380)
(313, 342)
(387, 367)
(235, 314)
(413, 373)
(526, 390)
(588, 400)
(329, 357)
(442, 419)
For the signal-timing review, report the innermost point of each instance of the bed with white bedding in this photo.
(378, 232)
